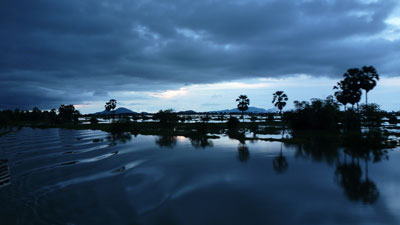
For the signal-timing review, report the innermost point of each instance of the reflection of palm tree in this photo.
(368, 189)
(280, 163)
(243, 152)
(349, 177)
(243, 104)
(166, 141)
(280, 99)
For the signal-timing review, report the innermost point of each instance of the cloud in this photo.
(169, 93)
(75, 51)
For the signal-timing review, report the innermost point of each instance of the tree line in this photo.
(64, 114)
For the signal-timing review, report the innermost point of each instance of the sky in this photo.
(197, 55)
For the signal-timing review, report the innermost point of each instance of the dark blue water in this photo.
(63, 177)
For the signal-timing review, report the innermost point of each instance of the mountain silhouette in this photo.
(118, 111)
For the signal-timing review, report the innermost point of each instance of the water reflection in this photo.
(116, 137)
(320, 148)
(166, 141)
(201, 142)
(280, 163)
(115, 185)
(243, 152)
(4, 173)
(349, 176)
(368, 146)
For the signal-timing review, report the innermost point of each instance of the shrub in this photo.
(351, 121)
(372, 114)
(232, 123)
(392, 119)
(270, 117)
(205, 119)
(167, 118)
(319, 114)
(93, 120)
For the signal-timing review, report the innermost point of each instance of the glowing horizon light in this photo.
(169, 93)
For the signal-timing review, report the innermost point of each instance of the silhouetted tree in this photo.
(53, 115)
(368, 80)
(111, 105)
(232, 122)
(67, 113)
(280, 99)
(167, 118)
(341, 95)
(243, 104)
(93, 120)
(349, 89)
(319, 114)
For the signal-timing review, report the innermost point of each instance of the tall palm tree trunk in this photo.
(366, 97)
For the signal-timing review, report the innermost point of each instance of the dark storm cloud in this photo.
(57, 51)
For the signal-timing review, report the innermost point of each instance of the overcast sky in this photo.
(199, 55)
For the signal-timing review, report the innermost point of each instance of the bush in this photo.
(392, 119)
(318, 115)
(351, 121)
(372, 113)
(167, 118)
(205, 119)
(270, 117)
(232, 123)
(182, 119)
(93, 120)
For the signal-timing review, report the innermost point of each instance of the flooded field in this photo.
(59, 176)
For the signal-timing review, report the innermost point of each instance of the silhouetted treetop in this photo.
(280, 99)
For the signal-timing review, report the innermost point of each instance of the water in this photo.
(62, 177)
(196, 118)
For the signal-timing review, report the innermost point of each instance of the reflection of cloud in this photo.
(181, 138)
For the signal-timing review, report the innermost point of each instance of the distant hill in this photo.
(187, 112)
(250, 110)
(118, 111)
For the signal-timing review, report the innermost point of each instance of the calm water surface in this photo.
(64, 177)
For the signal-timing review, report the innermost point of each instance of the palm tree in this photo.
(280, 99)
(110, 105)
(349, 89)
(368, 80)
(342, 94)
(243, 104)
